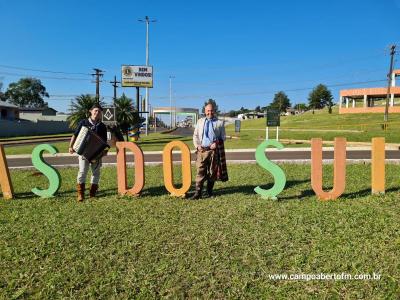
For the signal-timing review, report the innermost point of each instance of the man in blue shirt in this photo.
(208, 132)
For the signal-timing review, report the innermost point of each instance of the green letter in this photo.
(276, 171)
(46, 169)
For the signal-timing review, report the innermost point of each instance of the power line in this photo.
(43, 77)
(274, 91)
(41, 70)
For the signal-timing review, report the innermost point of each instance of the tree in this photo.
(2, 96)
(80, 109)
(127, 116)
(215, 105)
(281, 101)
(232, 113)
(301, 106)
(257, 109)
(27, 92)
(320, 97)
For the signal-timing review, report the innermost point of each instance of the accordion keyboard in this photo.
(79, 144)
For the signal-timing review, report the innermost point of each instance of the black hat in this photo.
(96, 105)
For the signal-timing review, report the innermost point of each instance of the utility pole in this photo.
(115, 85)
(98, 74)
(147, 21)
(170, 99)
(392, 53)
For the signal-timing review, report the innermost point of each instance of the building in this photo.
(17, 121)
(8, 111)
(370, 100)
(41, 114)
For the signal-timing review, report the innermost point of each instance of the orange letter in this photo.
(168, 171)
(121, 168)
(339, 176)
(5, 181)
(378, 166)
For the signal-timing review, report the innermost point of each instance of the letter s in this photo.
(46, 169)
(275, 170)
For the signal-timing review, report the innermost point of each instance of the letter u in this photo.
(339, 177)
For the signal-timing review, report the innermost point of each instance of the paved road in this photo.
(231, 156)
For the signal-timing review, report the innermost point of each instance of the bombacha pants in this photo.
(84, 168)
(203, 164)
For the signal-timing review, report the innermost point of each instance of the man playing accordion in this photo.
(94, 126)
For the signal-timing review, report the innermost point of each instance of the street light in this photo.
(147, 21)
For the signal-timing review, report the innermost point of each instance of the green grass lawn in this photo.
(4, 139)
(153, 142)
(157, 246)
(366, 126)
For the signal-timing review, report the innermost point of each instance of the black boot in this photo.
(197, 194)
(210, 186)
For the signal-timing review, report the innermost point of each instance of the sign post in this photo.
(139, 77)
(109, 118)
(237, 125)
(273, 120)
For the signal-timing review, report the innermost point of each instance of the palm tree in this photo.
(80, 109)
(127, 116)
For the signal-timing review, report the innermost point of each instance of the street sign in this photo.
(273, 118)
(109, 116)
(237, 125)
(137, 76)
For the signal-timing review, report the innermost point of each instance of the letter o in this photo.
(168, 170)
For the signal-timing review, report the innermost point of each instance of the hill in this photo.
(355, 127)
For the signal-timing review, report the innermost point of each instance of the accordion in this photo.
(89, 145)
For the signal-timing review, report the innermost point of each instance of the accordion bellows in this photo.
(89, 145)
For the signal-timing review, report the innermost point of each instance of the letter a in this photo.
(5, 180)
(51, 173)
(168, 168)
(121, 169)
(275, 170)
(339, 176)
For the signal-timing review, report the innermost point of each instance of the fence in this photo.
(26, 128)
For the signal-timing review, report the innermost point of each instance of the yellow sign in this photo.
(137, 76)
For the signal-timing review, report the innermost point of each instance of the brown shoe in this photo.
(198, 190)
(93, 190)
(196, 196)
(210, 186)
(80, 187)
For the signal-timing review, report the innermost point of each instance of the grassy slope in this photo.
(368, 125)
(157, 246)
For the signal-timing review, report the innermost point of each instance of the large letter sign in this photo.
(51, 173)
(168, 168)
(276, 171)
(339, 180)
(339, 173)
(5, 181)
(121, 169)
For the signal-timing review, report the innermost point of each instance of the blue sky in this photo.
(237, 52)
